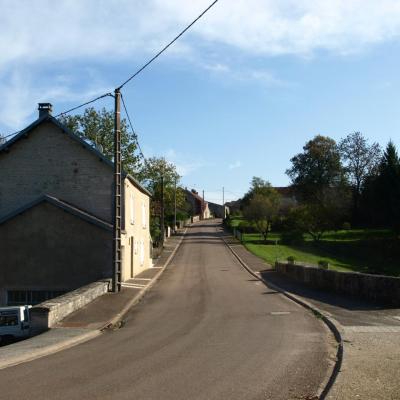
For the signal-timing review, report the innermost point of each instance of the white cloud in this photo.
(185, 163)
(40, 35)
(21, 93)
(236, 164)
(45, 30)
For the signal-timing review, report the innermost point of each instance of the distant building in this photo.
(198, 208)
(217, 210)
(288, 198)
(233, 206)
(56, 214)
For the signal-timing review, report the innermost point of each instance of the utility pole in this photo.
(223, 200)
(162, 227)
(203, 208)
(116, 278)
(175, 205)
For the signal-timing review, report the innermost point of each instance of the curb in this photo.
(330, 322)
(71, 342)
(116, 321)
(52, 349)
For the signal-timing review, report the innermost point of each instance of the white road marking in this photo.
(373, 329)
(134, 285)
(280, 312)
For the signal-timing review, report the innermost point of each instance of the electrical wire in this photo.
(11, 134)
(166, 47)
(133, 131)
(84, 104)
(132, 76)
(65, 112)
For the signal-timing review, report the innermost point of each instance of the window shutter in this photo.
(132, 209)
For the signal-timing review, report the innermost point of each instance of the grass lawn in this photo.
(370, 251)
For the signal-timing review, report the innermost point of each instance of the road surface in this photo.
(206, 331)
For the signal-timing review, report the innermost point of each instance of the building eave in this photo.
(62, 205)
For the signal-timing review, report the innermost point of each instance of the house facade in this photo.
(56, 214)
(218, 210)
(198, 208)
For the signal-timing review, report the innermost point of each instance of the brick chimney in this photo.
(45, 109)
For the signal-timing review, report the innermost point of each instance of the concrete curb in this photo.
(89, 334)
(118, 318)
(333, 325)
(51, 349)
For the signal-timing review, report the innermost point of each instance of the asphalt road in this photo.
(207, 330)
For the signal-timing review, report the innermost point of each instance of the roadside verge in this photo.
(331, 323)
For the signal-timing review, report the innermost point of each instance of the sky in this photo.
(237, 96)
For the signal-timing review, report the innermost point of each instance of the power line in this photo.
(133, 131)
(132, 76)
(166, 47)
(64, 112)
(11, 134)
(84, 104)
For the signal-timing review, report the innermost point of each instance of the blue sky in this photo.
(238, 96)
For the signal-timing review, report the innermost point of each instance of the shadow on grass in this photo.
(373, 256)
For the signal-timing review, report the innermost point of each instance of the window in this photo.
(132, 209)
(8, 320)
(141, 252)
(144, 215)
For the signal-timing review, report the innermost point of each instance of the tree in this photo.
(97, 127)
(312, 219)
(361, 159)
(388, 187)
(317, 171)
(150, 176)
(262, 210)
(257, 186)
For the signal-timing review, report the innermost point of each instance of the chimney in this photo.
(45, 109)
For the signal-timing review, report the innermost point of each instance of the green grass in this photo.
(235, 221)
(370, 251)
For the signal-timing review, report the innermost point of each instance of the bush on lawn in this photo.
(290, 260)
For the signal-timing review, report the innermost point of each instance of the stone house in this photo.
(198, 208)
(218, 210)
(56, 214)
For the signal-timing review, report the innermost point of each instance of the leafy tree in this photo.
(97, 127)
(257, 186)
(316, 171)
(312, 219)
(361, 160)
(150, 176)
(262, 210)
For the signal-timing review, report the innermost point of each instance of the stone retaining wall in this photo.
(45, 315)
(377, 288)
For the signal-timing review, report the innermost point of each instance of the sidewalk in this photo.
(370, 333)
(106, 311)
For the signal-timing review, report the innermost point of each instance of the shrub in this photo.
(290, 260)
(323, 264)
(346, 226)
(292, 237)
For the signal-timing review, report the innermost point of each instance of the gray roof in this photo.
(49, 118)
(71, 209)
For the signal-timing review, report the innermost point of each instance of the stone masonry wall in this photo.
(376, 288)
(46, 248)
(48, 161)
